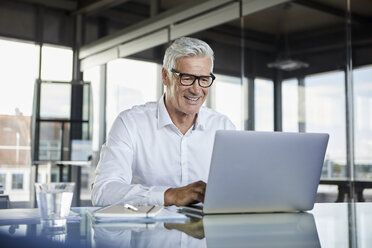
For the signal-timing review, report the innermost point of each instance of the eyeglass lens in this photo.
(204, 81)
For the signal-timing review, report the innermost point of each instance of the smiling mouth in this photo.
(194, 99)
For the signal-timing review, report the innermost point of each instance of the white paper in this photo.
(168, 214)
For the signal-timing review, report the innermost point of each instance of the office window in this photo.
(325, 112)
(19, 67)
(54, 177)
(229, 98)
(363, 121)
(290, 105)
(17, 181)
(56, 63)
(50, 140)
(19, 70)
(19, 63)
(264, 105)
(129, 83)
(55, 100)
(3, 181)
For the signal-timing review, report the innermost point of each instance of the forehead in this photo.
(196, 64)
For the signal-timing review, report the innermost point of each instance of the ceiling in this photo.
(313, 30)
(297, 16)
(333, 11)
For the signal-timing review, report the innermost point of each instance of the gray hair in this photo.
(186, 47)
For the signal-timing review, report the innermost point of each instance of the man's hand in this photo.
(190, 194)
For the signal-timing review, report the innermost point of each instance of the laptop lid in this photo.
(264, 171)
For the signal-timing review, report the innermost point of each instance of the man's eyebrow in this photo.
(195, 75)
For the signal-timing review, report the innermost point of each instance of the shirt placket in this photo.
(184, 164)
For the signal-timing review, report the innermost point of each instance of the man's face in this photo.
(186, 99)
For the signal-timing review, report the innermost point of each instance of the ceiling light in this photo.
(288, 64)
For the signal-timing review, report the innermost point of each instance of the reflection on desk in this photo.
(282, 230)
(328, 225)
(158, 236)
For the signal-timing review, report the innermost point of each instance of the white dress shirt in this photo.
(145, 154)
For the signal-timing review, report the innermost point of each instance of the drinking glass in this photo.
(54, 202)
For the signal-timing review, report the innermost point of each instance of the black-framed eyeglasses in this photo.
(189, 79)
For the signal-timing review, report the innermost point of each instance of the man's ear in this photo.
(165, 77)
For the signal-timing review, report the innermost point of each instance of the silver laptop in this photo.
(263, 172)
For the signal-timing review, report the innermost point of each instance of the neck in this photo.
(181, 120)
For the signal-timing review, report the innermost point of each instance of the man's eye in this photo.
(205, 79)
(188, 78)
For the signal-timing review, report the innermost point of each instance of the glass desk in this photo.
(327, 225)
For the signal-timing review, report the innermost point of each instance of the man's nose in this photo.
(195, 88)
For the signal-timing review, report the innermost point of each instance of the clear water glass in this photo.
(54, 202)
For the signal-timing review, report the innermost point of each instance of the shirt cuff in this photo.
(156, 196)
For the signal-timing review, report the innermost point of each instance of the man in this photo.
(159, 153)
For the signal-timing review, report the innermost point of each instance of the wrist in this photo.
(169, 197)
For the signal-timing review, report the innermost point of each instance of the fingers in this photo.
(190, 194)
(198, 186)
(197, 192)
(198, 197)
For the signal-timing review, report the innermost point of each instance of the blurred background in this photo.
(69, 67)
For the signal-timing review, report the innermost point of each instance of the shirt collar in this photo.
(163, 115)
(200, 119)
(164, 118)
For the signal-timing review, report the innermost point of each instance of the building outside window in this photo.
(2, 181)
(17, 181)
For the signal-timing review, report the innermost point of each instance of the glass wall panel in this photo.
(363, 122)
(361, 47)
(301, 46)
(229, 98)
(325, 112)
(290, 105)
(129, 82)
(226, 93)
(264, 105)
